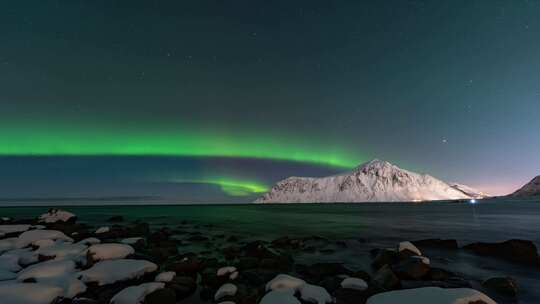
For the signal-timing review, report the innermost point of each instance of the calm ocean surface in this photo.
(362, 226)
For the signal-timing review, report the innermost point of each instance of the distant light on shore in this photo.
(472, 201)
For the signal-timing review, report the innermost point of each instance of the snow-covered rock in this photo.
(7, 275)
(109, 251)
(531, 189)
(63, 251)
(131, 240)
(9, 262)
(89, 241)
(49, 269)
(29, 293)
(136, 294)
(165, 277)
(56, 215)
(423, 259)
(25, 256)
(429, 295)
(5, 229)
(227, 270)
(374, 181)
(402, 246)
(225, 290)
(285, 281)
(285, 296)
(354, 283)
(469, 191)
(103, 229)
(61, 274)
(8, 244)
(315, 294)
(31, 236)
(110, 271)
(234, 275)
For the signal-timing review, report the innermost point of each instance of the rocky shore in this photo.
(55, 259)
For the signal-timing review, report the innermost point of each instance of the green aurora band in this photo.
(43, 139)
(230, 186)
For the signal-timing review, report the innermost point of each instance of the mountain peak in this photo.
(532, 188)
(373, 181)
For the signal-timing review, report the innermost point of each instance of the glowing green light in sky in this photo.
(55, 139)
(233, 187)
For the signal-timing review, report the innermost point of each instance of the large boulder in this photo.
(519, 251)
(437, 243)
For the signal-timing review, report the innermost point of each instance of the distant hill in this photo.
(531, 189)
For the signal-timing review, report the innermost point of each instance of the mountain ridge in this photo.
(373, 181)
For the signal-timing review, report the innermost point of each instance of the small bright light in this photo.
(473, 201)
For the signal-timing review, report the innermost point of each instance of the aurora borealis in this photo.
(210, 101)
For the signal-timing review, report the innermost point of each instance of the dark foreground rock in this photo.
(505, 286)
(518, 251)
(436, 243)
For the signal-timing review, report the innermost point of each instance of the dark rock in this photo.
(287, 243)
(438, 274)
(384, 257)
(198, 238)
(519, 251)
(232, 239)
(231, 252)
(505, 286)
(245, 263)
(361, 275)
(257, 249)
(385, 278)
(411, 268)
(161, 296)
(410, 284)
(341, 244)
(331, 284)
(188, 266)
(351, 296)
(437, 243)
(183, 286)
(116, 219)
(319, 271)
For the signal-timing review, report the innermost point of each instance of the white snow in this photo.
(285, 281)
(5, 229)
(225, 290)
(9, 262)
(103, 229)
(24, 256)
(109, 251)
(29, 293)
(49, 269)
(110, 271)
(166, 276)
(354, 283)
(374, 181)
(8, 244)
(423, 259)
(315, 294)
(31, 236)
(136, 294)
(472, 192)
(7, 275)
(61, 274)
(131, 241)
(280, 297)
(408, 246)
(64, 251)
(429, 295)
(56, 215)
(234, 275)
(225, 270)
(89, 241)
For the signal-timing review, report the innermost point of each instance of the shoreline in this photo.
(171, 248)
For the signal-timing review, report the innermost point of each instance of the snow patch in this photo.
(165, 276)
(136, 294)
(410, 247)
(103, 229)
(280, 297)
(315, 294)
(29, 237)
(110, 271)
(56, 215)
(429, 295)
(225, 290)
(354, 283)
(29, 293)
(284, 281)
(111, 251)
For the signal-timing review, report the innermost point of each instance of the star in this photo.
(444, 141)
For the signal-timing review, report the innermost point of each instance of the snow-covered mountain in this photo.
(531, 189)
(469, 191)
(374, 181)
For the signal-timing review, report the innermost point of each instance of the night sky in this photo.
(213, 101)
